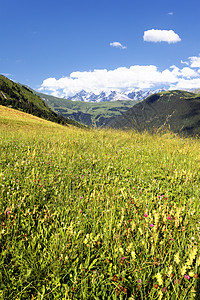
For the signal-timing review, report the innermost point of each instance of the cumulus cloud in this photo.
(117, 45)
(186, 84)
(185, 72)
(156, 35)
(194, 61)
(122, 79)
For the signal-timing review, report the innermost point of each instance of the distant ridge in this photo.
(22, 98)
(196, 91)
(177, 111)
(134, 95)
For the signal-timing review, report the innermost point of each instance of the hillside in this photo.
(15, 119)
(97, 214)
(88, 113)
(21, 98)
(178, 111)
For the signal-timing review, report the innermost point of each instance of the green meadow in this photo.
(97, 214)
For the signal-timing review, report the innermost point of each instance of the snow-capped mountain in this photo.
(113, 95)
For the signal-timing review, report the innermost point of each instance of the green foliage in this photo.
(21, 98)
(98, 214)
(177, 111)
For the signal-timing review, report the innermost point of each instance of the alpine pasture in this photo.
(97, 214)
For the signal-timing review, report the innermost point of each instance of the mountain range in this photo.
(177, 111)
(113, 95)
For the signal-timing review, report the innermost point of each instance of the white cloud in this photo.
(156, 35)
(122, 79)
(194, 61)
(117, 45)
(171, 13)
(185, 62)
(185, 72)
(186, 84)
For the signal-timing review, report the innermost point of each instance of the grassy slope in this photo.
(178, 111)
(12, 118)
(19, 97)
(87, 113)
(77, 209)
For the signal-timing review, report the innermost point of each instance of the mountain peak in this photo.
(113, 95)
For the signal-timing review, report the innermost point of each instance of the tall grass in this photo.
(98, 215)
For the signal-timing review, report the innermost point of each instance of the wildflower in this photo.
(156, 216)
(139, 280)
(159, 278)
(193, 253)
(176, 281)
(133, 255)
(129, 247)
(151, 225)
(183, 270)
(196, 276)
(176, 258)
(145, 215)
(187, 277)
(191, 274)
(121, 250)
(164, 290)
(191, 257)
(125, 291)
(169, 218)
(115, 278)
(7, 211)
(156, 286)
(198, 261)
(170, 270)
(160, 295)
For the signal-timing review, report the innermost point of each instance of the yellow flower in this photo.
(133, 255)
(176, 258)
(156, 217)
(183, 270)
(159, 278)
(193, 254)
(191, 273)
(170, 270)
(191, 257)
(198, 261)
(160, 295)
(121, 250)
(129, 247)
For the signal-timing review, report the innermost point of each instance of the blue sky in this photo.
(63, 46)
